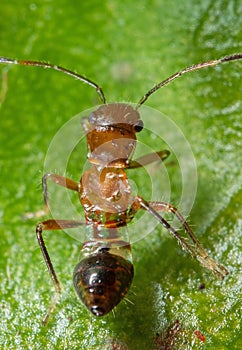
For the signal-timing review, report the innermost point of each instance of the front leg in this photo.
(58, 180)
(148, 159)
(194, 247)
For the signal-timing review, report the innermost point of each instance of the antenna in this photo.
(58, 68)
(187, 70)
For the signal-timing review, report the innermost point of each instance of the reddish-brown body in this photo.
(105, 272)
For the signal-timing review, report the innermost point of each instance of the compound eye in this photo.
(139, 126)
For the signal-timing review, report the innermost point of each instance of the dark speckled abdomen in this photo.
(102, 280)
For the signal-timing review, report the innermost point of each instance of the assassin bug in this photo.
(104, 274)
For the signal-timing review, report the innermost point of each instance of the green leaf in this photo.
(126, 47)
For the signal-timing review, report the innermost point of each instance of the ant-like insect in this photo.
(104, 275)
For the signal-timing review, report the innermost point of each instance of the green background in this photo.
(126, 47)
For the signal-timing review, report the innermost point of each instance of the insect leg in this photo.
(148, 158)
(57, 179)
(194, 247)
(53, 225)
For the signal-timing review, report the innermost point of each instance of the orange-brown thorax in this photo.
(106, 190)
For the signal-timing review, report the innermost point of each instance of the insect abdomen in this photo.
(102, 280)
